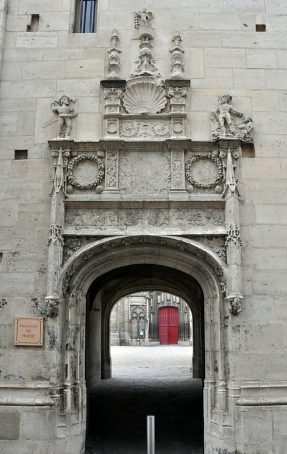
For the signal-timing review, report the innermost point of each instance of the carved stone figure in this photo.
(143, 18)
(234, 304)
(224, 125)
(46, 309)
(63, 107)
(114, 63)
(177, 63)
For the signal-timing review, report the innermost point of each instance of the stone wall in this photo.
(223, 54)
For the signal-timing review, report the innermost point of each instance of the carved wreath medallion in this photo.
(190, 171)
(85, 157)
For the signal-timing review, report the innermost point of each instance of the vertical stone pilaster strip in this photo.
(112, 167)
(177, 152)
(55, 241)
(233, 240)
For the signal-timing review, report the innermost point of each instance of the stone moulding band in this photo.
(89, 253)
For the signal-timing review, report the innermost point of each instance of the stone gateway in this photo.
(143, 149)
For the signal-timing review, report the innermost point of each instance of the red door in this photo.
(168, 325)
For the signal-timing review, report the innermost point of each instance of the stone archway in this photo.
(105, 265)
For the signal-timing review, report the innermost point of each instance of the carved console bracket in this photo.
(47, 309)
(234, 302)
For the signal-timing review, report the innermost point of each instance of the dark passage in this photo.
(118, 408)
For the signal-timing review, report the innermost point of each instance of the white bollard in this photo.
(150, 435)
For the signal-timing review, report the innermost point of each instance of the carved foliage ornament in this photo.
(56, 234)
(233, 235)
(85, 157)
(190, 167)
(147, 128)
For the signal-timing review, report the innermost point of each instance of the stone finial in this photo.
(145, 65)
(143, 18)
(114, 63)
(224, 124)
(65, 111)
(177, 62)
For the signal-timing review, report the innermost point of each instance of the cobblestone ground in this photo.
(147, 380)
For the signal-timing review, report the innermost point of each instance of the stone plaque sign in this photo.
(29, 331)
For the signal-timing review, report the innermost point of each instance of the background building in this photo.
(151, 318)
(143, 148)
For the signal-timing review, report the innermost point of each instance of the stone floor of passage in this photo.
(147, 381)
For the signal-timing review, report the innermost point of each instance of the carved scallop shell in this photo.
(144, 97)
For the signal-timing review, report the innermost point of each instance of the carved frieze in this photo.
(125, 219)
(97, 169)
(145, 128)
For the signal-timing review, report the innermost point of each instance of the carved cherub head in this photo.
(225, 99)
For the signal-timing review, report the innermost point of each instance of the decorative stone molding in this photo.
(233, 234)
(66, 112)
(56, 234)
(185, 246)
(114, 63)
(72, 180)
(46, 309)
(224, 124)
(112, 97)
(215, 243)
(145, 65)
(145, 128)
(144, 106)
(144, 96)
(3, 302)
(204, 171)
(234, 302)
(177, 98)
(177, 63)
